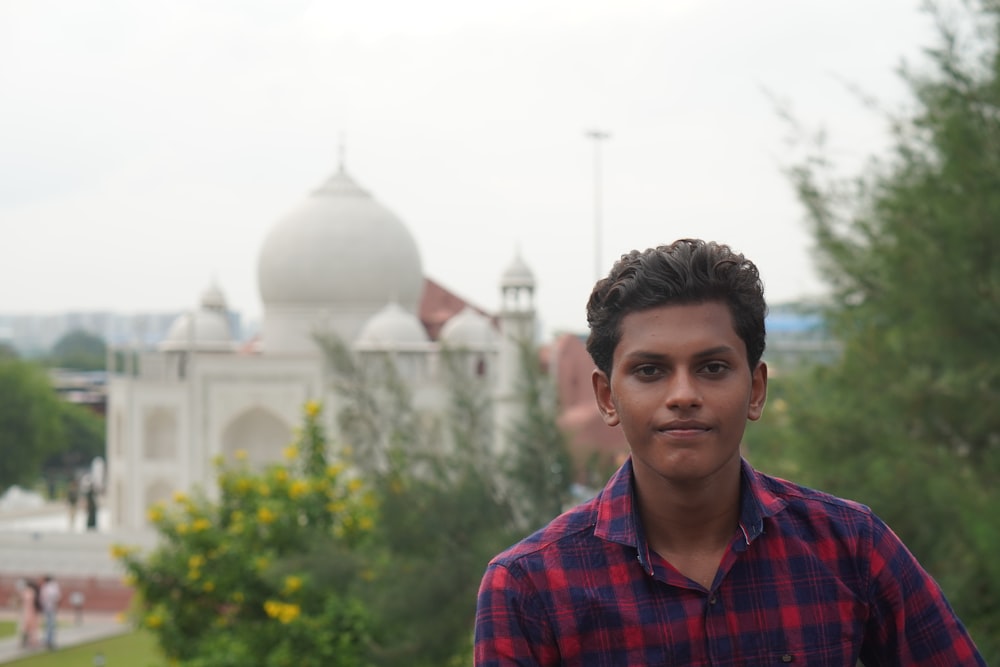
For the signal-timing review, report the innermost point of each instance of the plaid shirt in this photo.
(809, 579)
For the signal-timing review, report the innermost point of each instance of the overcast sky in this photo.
(147, 147)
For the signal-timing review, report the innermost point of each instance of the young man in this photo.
(689, 556)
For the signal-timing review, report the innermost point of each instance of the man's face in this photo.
(682, 390)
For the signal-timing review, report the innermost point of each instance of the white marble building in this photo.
(339, 263)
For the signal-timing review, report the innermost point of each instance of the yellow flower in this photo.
(261, 562)
(218, 460)
(180, 497)
(336, 507)
(292, 584)
(196, 561)
(334, 469)
(244, 485)
(285, 613)
(354, 485)
(155, 513)
(238, 596)
(263, 489)
(194, 575)
(119, 551)
(183, 528)
(281, 475)
(208, 586)
(129, 580)
(365, 523)
(298, 489)
(201, 525)
(154, 621)
(313, 408)
(290, 452)
(265, 515)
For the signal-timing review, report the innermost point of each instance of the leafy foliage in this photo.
(908, 420)
(31, 427)
(448, 503)
(83, 439)
(79, 350)
(538, 469)
(270, 573)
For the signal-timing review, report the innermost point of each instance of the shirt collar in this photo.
(618, 518)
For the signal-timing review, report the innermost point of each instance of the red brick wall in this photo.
(99, 594)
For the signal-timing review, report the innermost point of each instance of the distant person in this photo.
(30, 605)
(50, 595)
(73, 501)
(689, 556)
(90, 497)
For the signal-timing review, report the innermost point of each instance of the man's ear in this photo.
(602, 392)
(758, 392)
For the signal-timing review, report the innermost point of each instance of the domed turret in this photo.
(204, 330)
(518, 274)
(332, 263)
(391, 327)
(469, 329)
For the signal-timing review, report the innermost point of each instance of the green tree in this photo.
(31, 425)
(83, 440)
(79, 350)
(441, 514)
(447, 501)
(269, 574)
(538, 471)
(908, 420)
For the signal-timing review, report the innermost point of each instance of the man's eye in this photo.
(715, 367)
(647, 371)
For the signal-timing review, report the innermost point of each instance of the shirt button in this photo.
(787, 658)
(713, 599)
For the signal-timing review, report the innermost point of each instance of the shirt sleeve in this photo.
(510, 629)
(911, 622)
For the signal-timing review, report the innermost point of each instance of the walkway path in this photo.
(91, 628)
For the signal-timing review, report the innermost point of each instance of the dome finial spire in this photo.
(341, 153)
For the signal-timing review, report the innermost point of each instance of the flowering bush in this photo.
(268, 573)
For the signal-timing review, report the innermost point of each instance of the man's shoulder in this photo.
(804, 500)
(569, 530)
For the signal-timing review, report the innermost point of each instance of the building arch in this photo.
(259, 433)
(159, 435)
(159, 491)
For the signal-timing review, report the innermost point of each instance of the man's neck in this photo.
(690, 518)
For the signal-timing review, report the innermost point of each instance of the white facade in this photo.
(340, 263)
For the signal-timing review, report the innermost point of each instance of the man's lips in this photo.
(684, 428)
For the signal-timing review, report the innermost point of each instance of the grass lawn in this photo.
(8, 629)
(136, 649)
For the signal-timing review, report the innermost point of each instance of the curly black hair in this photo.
(688, 271)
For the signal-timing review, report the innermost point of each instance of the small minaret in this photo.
(517, 326)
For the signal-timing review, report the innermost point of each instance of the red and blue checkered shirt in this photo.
(809, 579)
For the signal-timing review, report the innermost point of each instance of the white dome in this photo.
(213, 298)
(203, 330)
(518, 274)
(469, 329)
(340, 250)
(391, 327)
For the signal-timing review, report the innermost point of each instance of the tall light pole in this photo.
(598, 136)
